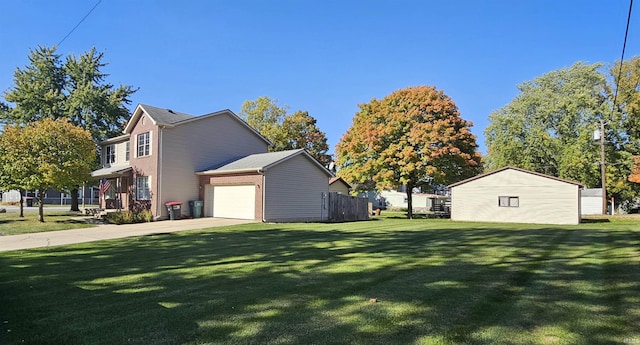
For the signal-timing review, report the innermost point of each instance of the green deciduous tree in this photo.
(75, 89)
(411, 137)
(266, 117)
(628, 101)
(548, 128)
(286, 131)
(46, 154)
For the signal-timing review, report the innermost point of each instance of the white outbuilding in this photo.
(516, 195)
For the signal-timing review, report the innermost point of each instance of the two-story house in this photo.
(166, 156)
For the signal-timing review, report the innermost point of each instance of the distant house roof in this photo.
(517, 169)
(170, 118)
(339, 179)
(259, 163)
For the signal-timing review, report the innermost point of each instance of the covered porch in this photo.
(115, 187)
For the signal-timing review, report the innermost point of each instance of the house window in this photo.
(143, 190)
(110, 154)
(508, 201)
(126, 151)
(144, 144)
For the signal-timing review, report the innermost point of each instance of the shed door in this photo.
(234, 202)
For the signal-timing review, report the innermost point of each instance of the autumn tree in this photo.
(46, 154)
(411, 137)
(75, 89)
(301, 132)
(548, 128)
(286, 131)
(13, 173)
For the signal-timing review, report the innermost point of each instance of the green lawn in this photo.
(12, 224)
(435, 281)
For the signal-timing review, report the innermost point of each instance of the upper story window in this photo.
(144, 144)
(110, 154)
(508, 201)
(127, 150)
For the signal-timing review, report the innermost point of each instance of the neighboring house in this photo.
(338, 185)
(279, 186)
(398, 200)
(591, 201)
(53, 196)
(516, 195)
(157, 158)
(155, 161)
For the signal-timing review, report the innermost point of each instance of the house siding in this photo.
(294, 191)
(196, 146)
(147, 165)
(339, 187)
(541, 200)
(120, 148)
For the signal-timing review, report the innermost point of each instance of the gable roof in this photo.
(260, 162)
(339, 179)
(170, 118)
(517, 169)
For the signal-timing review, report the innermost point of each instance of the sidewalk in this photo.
(109, 231)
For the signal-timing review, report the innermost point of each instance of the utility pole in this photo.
(603, 168)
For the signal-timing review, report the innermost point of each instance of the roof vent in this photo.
(171, 111)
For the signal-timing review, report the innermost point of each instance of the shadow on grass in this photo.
(311, 283)
(594, 220)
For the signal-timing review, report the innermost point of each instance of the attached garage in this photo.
(518, 196)
(230, 201)
(285, 186)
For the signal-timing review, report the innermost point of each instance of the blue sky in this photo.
(325, 57)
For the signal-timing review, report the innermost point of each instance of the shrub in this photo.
(144, 216)
(129, 217)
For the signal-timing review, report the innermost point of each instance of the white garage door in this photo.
(234, 202)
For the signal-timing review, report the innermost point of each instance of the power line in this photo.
(603, 167)
(624, 47)
(82, 20)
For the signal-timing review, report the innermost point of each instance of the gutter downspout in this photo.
(159, 173)
(264, 193)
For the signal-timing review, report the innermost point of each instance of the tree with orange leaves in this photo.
(412, 137)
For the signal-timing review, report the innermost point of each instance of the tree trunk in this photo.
(74, 200)
(21, 203)
(409, 201)
(41, 206)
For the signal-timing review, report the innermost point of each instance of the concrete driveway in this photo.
(109, 231)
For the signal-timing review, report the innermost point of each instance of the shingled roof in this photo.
(165, 116)
(259, 162)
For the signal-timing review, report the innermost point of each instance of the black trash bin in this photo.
(29, 201)
(174, 209)
(195, 207)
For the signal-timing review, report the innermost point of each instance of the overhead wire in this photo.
(80, 22)
(624, 47)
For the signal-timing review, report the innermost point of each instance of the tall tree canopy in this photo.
(628, 101)
(411, 137)
(548, 128)
(45, 154)
(286, 131)
(301, 132)
(73, 89)
(266, 117)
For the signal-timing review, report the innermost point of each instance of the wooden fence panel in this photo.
(347, 208)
